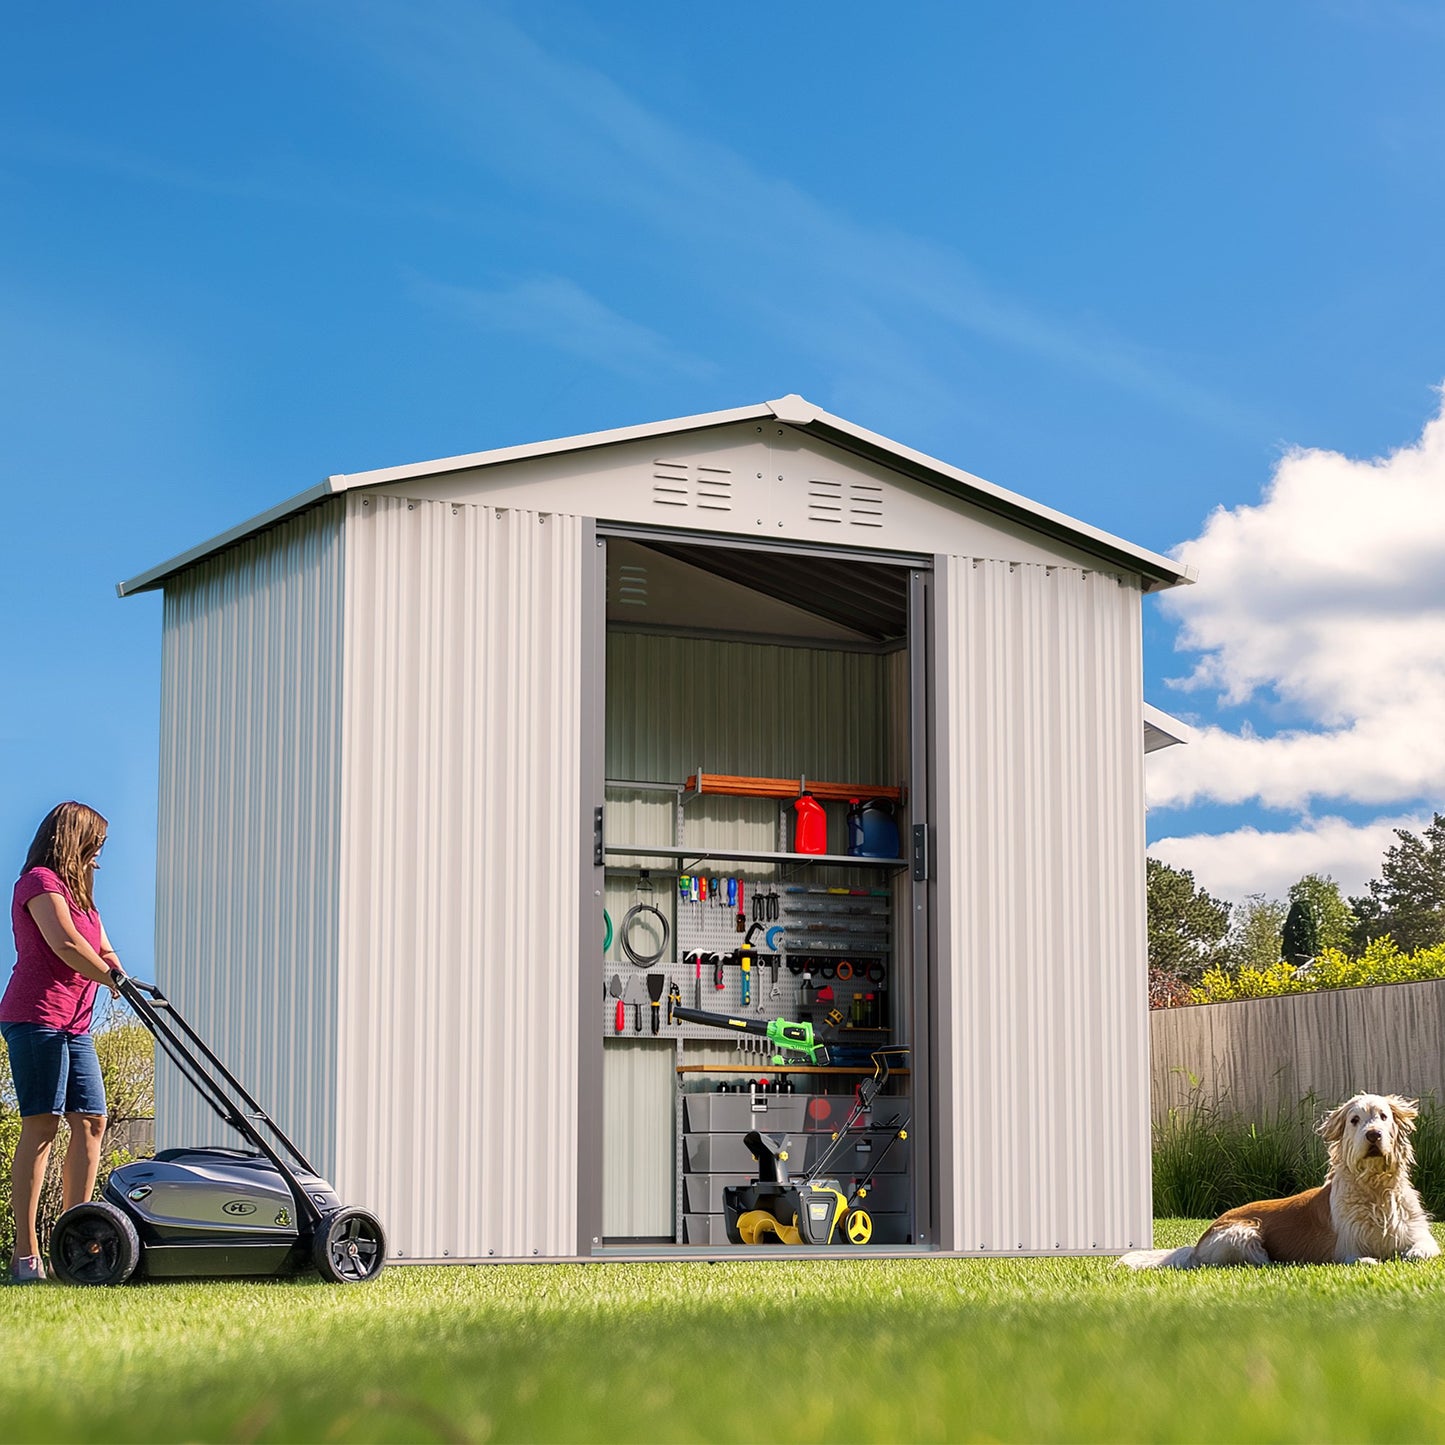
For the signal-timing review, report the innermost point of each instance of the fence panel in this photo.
(1249, 1058)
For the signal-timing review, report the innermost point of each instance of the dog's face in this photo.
(1371, 1132)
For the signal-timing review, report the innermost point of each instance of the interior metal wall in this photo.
(246, 902)
(458, 1048)
(1043, 1048)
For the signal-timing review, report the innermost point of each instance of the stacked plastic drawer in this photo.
(715, 1157)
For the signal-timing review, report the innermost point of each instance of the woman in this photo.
(61, 955)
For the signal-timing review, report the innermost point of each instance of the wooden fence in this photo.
(1251, 1058)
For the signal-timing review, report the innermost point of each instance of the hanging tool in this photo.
(684, 888)
(745, 962)
(615, 989)
(636, 1018)
(639, 913)
(717, 970)
(742, 916)
(674, 997)
(774, 961)
(656, 982)
(796, 1038)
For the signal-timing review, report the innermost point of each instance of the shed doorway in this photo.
(736, 678)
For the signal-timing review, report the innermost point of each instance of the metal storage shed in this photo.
(420, 726)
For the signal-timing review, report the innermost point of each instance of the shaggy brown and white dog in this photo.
(1365, 1211)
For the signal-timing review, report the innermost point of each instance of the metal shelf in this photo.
(736, 855)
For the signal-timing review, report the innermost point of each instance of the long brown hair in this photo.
(67, 843)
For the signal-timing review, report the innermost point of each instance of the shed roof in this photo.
(1157, 572)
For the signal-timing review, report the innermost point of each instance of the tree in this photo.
(1334, 921)
(1187, 927)
(1300, 938)
(1254, 937)
(1407, 900)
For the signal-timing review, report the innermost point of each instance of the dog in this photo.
(1365, 1211)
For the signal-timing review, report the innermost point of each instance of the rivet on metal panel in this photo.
(538, 1251)
(411, 506)
(780, 476)
(760, 476)
(491, 1251)
(595, 1240)
(366, 501)
(445, 1253)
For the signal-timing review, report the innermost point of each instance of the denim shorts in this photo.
(55, 1072)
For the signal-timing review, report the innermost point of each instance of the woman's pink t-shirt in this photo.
(43, 990)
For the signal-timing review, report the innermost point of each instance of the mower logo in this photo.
(238, 1206)
(283, 1219)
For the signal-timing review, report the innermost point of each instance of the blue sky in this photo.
(1175, 270)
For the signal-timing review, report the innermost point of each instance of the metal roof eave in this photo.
(1155, 571)
(301, 502)
(1158, 572)
(1163, 731)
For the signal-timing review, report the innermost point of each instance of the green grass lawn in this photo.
(1051, 1349)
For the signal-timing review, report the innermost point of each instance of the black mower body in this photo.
(216, 1212)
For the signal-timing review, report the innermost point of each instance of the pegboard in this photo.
(823, 938)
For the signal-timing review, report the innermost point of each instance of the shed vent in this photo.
(859, 504)
(715, 489)
(671, 485)
(865, 504)
(680, 484)
(825, 501)
(631, 585)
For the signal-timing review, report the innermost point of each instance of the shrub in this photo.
(1207, 1161)
(127, 1065)
(1381, 962)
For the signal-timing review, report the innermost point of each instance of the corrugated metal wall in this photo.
(458, 1052)
(246, 922)
(638, 1160)
(1041, 968)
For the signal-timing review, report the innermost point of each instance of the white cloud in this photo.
(1327, 602)
(1234, 865)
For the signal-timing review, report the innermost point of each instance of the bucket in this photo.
(872, 829)
(810, 826)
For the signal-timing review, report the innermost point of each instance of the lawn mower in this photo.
(190, 1213)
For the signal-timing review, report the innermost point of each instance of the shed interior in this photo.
(738, 678)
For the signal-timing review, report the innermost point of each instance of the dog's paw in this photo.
(1426, 1249)
(1365, 1259)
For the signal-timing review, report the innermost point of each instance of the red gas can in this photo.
(810, 827)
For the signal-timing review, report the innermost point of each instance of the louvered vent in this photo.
(865, 504)
(825, 501)
(859, 504)
(679, 484)
(671, 485)
(631, 585)
(715, 489)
